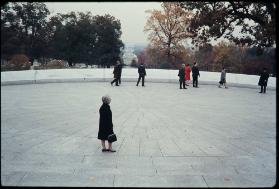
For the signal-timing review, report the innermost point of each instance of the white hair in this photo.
(106, 99)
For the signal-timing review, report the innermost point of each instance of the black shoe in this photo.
(185, 88)
(116, 85)
(111, 150)
(105, 150)
(111, 83)
(260, 92)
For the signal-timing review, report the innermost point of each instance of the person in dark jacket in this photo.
(120, 66)
(195, 74)
(263, 80)
(117, 74)
(181, 75)
(105, 124)
(142, 74)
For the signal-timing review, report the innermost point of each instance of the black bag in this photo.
(112, 138)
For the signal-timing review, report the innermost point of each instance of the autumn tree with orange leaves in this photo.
(168, 28)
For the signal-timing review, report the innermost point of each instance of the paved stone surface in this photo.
(199, 137)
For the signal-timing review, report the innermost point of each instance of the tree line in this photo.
(236, 59)
(84, 38)
(204, 22)
(74, 37)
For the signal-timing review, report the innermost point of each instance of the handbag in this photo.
(112, 138)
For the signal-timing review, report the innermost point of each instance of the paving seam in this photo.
(205, 181)
(18, 183)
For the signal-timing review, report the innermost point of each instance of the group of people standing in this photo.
(184, 75)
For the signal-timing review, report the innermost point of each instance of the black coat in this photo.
(105, 122)
(263, 79)
(120, 66)
(195, 71)
(181, 74)
(141, 70)
(117, 71)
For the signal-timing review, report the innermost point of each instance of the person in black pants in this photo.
(181, 75)
(120, 71)
(263, 80)
(142, 74)
(116, 72)
(195, 74)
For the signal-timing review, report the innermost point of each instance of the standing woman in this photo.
(187, 74)
(105, 124)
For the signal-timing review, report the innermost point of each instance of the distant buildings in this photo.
(129, 55)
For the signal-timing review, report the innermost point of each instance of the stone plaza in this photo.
(167, 137)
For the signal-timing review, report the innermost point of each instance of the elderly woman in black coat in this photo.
(105, 123)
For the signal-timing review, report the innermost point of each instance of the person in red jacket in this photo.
(187, 74)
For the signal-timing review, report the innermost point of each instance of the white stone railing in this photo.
(128, 75)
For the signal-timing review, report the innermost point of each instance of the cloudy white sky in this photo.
(131, 15)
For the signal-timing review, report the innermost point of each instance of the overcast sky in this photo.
(131, 15)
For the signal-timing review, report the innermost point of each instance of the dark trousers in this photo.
(141, 77)
(195, 81)
(115, 80)
(119, 80)
(182, 82)
(263, 88)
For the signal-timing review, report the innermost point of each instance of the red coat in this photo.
(187, 72)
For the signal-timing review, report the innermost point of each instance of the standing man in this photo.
(142, 74)
(187, 74)
(181, 75)
(195, 74)
(263, 80)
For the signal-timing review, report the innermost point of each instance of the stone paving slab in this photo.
(205, 137)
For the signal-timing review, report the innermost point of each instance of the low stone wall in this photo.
(128, 75)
